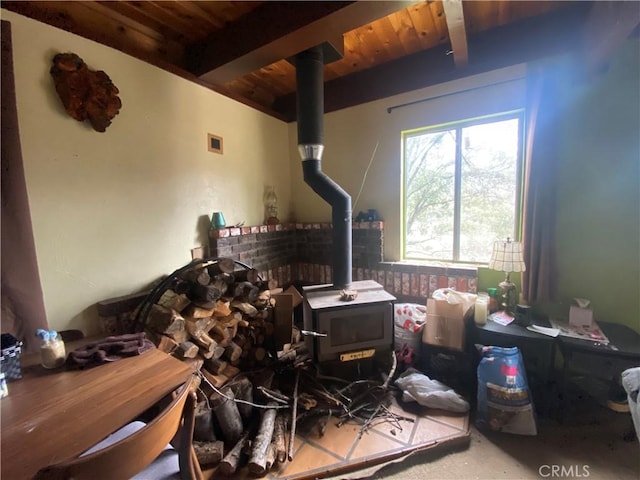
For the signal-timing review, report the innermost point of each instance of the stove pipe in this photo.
(310, 111)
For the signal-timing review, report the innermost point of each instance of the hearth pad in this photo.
(342, 449)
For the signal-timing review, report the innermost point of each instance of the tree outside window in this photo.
(462, 186)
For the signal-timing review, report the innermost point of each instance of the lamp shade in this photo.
(507, 257)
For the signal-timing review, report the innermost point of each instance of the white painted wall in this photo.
(351, 136)
(114, 211)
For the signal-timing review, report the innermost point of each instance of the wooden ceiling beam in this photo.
(457, 31)
(512, 44)
(609, 24)
(277, 30)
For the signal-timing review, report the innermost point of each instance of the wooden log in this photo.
(257, 461)
(294, 414)
(208, 453)
(208, 345)
(279, 432)
(245, 291)
(243, 390)
(195, 311)
(221, 334)
(197, 275)
(222, 308)
(260, 353)
(250, 275)
(215, 365)
(203, 428)
(197, 326)
(204, 295)
(233, 353)
(164, 320)
(166, 344)
(270, 457)
(245, 307)
(222, 265)
(171, 299)
(187, 350)
(231, 460)
(179, 336)
(227, 415)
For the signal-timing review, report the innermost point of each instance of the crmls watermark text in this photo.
(563, 471)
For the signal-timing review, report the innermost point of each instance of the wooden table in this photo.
(52, 415)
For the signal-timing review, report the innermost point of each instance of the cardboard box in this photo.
(445, 324)
(580, 317)
(286, 301)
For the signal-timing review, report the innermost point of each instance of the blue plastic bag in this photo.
(504, 398)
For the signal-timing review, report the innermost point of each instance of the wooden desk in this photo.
(605, 362)
(52, 415)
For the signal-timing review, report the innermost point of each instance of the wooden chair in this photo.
(139, 450)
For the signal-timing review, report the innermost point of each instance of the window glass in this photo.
(461, 188)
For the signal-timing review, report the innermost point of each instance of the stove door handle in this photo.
(309, 333)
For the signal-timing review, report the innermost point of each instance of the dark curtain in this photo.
(22, 302)
(544, 112)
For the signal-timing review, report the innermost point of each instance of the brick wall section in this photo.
(301, 254)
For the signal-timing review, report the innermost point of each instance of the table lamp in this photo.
(507, 257)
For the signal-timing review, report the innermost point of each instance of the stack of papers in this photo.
(552, 332)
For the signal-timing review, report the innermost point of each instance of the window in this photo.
(461, 188)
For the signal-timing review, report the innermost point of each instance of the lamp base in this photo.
(509, 296)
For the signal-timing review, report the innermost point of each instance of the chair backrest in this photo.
(134, 453)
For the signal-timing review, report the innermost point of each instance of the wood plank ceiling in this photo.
(240, 48)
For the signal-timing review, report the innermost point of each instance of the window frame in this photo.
(459, 125)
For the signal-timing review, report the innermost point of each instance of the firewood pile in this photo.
(216, 315)
(258, 384)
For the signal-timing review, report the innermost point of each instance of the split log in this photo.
(187, 350)
(203, 428)
(215, 365)
(208, 453)
(222, 308)
(204, 295)
(195, 311)
(232, 353)
(257, 461)
(222, 265)
(250, 275)
(171, 299)
(167, 344)
(245, 307)
(165, 320)
(221, 334)
(270, 457)
(197, 326)
(208, 345)
(243, 390)
(230, 462)
(245, 291)
(197, 275)
(279, 431)
(227, 415)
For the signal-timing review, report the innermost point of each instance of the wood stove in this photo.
(341, 334)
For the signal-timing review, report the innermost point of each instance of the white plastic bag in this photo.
(454, 297)
(431, 393)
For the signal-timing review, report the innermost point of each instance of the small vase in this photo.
(217, 221)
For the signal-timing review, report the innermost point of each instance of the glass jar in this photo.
(52, 351)
(481, 308)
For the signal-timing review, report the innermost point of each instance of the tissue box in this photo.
(580, 317)
(445, 324)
